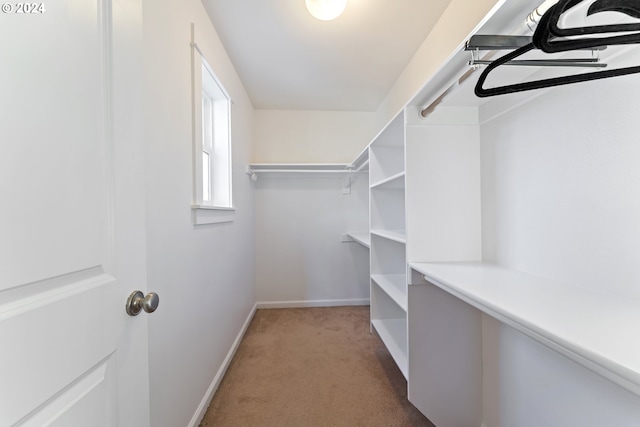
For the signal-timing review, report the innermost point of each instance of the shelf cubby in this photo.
(386, 155)
(387, 209)
(387, 255)
(390, 323)
(394, 285)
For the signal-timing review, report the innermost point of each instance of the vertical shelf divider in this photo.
(388, 240)
(444, 223)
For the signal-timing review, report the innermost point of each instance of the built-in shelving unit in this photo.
(492, 310)
(388, 240)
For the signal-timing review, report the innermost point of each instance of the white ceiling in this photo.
(289, 60)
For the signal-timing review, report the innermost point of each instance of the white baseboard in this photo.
(312, 303)
(206, 400)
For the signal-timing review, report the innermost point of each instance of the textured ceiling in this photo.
(289, 60)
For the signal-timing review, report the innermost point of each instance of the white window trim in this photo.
(212, 214)
(204, 212)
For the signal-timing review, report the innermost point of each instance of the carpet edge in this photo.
(206, 400)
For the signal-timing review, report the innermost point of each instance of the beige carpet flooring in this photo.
(312, 367)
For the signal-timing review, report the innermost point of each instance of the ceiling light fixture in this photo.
(326, 10)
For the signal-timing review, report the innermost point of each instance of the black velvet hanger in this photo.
(481, 92)
(543, 38)
(628, 7)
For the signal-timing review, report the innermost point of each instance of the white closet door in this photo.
(69, 250)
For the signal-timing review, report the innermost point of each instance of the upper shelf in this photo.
(313, 169)
(299, 167)
(568, 319)
(359, 164)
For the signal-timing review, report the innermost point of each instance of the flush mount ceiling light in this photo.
(326, 10)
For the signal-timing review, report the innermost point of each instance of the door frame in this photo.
(124, 57)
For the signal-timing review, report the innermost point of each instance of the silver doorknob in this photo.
(137, 302)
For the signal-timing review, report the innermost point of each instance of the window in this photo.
(212, 197)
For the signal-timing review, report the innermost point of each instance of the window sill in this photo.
(211, 214)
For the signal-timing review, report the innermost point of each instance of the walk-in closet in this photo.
(503, 238)
(458, 180)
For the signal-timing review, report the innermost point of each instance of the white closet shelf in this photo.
(393, 333)
(364, 167)
(362, 237)
(393, 285)
(299, 167)
(393, 182)
(599, 331)
(395, 235)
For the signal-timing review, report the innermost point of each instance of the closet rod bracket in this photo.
(478, 43)
(502, 42)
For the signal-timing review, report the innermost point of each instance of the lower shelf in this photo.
(361, 237)
(598, 331)
(393, 333)
(395, 235)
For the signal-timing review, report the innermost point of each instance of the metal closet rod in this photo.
(432, 106)
(496, 42)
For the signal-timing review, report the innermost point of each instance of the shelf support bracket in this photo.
(252, 174)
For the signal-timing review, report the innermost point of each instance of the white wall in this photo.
(288, 136)
(299, 221)
(204, 275)
(300, 259)
(534, 386)
(560, 182)
(560, 186)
